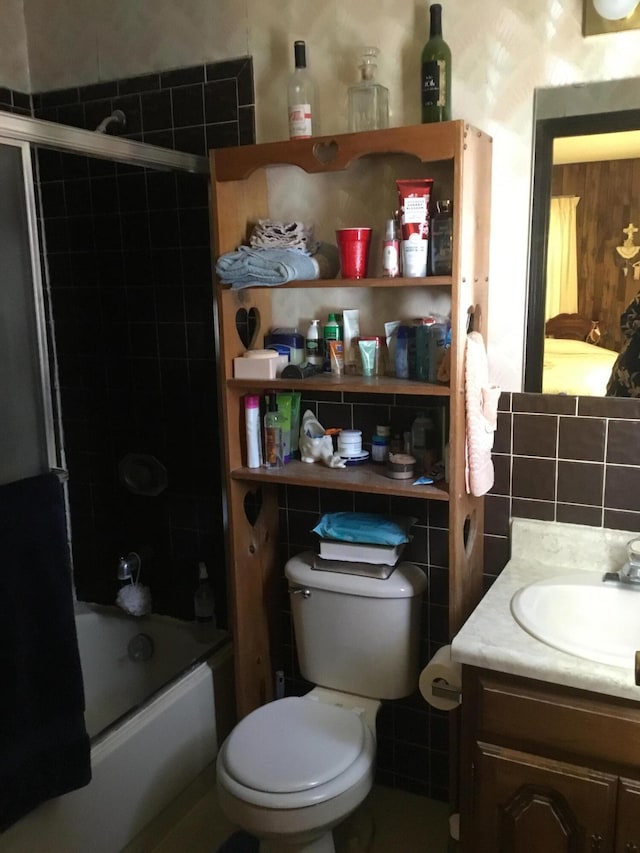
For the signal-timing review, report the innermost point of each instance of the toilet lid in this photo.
(293, 744)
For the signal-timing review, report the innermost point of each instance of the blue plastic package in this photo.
(366, 527)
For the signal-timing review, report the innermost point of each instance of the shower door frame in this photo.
(23, 132)
(46, 400)
(62, 137)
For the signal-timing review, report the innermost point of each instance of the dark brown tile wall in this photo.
(561, 458)
(556, 458)
(15, 102)
(130, 286)
(413, 739)
(190, 109)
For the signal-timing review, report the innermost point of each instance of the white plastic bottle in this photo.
(252, 424)
(301, 97)
(203, 600)
(312, 344)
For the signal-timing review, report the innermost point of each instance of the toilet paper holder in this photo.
(444, 690)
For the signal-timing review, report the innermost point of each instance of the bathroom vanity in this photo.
(550, 753)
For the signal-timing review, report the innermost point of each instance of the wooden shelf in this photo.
(322, 180)
(428, 143)
(353, 478)
(355, 384)
(368, 283)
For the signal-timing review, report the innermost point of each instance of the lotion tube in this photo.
(367, 356)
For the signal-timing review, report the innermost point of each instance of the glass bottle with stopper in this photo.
(368, 100)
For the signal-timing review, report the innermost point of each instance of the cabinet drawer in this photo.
(549, 719)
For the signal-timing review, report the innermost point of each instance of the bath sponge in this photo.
(135, 599)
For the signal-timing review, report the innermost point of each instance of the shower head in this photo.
(117, 118)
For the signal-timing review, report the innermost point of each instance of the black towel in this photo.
(44, 746)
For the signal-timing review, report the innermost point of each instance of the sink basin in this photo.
(580, 614)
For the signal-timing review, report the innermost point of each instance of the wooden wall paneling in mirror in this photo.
(609, 195)
(545, 184)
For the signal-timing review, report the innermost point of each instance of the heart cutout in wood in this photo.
(247, 323)
(252, 506)
(325, 152)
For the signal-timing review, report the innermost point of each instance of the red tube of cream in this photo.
(414, 196)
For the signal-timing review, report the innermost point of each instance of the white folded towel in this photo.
(481, 403)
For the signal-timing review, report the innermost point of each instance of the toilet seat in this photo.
(292, 745)
(294, 752)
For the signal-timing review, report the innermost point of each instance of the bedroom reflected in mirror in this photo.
(584, 245)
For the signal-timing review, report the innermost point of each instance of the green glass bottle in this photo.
(436, 72)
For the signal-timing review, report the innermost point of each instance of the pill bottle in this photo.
(379, 448)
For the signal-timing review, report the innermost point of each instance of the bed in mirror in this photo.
(585, 197)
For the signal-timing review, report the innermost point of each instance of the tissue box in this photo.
(259, 364)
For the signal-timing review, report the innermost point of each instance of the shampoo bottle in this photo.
(203, 600)
(273, 455)
(330, 332)
(312, 344)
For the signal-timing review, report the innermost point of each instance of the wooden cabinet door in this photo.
(526, 804)
(628, 821)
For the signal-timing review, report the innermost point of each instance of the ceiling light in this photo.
(614, 10)
(609, 16)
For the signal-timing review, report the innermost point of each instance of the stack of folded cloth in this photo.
(361, 543)
(277, 264)
(269, 234)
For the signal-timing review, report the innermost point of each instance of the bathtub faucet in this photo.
(129, 567)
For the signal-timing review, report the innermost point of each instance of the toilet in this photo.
(293, 769)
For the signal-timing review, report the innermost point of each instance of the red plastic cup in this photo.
(353, 244)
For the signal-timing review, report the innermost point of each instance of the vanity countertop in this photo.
(492, 639)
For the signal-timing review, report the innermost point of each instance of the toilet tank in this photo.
(357, 634)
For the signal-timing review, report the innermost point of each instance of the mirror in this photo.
(571, 126)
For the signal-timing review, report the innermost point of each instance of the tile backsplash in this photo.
(562, 458)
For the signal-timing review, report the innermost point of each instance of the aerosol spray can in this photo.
(391, 250)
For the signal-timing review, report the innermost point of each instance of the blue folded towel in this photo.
(272, 266)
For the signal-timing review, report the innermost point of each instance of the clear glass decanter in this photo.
(368, 100)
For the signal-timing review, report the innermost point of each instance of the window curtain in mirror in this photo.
(562, 258)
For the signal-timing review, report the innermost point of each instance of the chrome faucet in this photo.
(630, 571)
(129, 567)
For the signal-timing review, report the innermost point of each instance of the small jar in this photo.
(350, 442)
(379, 448)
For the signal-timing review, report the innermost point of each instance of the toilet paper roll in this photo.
(443, 672)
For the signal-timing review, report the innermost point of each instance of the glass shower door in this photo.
(27, 445)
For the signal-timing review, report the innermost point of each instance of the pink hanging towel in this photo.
(481, 404)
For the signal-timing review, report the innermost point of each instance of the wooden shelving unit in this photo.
(250, 183)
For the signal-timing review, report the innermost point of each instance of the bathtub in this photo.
(152, 732)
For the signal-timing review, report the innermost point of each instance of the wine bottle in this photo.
(301, 96)
(436, 72)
